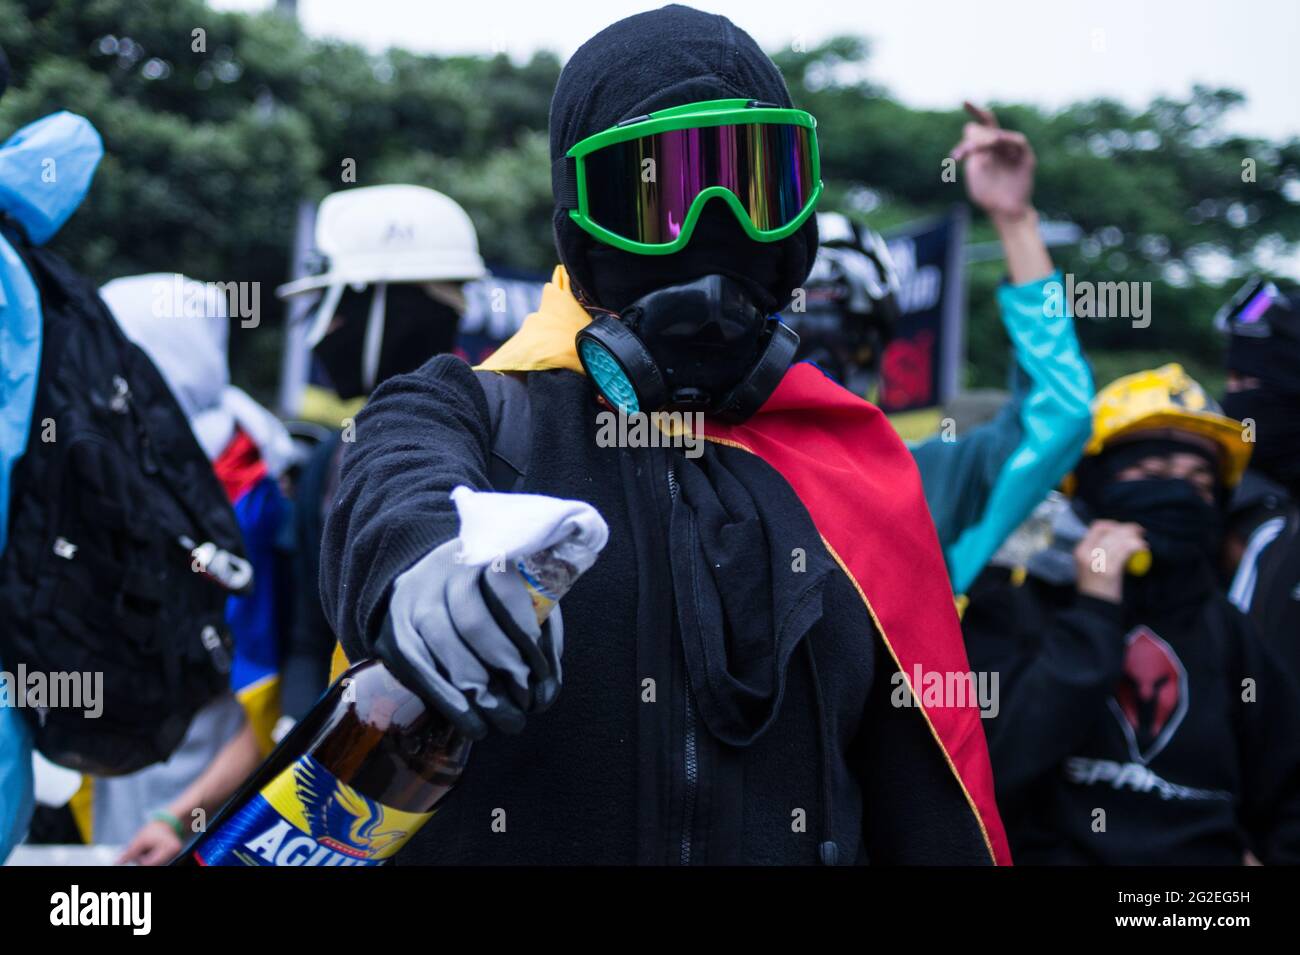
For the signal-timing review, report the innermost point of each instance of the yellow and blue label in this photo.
(307, 817)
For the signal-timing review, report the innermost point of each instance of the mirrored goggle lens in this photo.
(1257, 304)
(642, 189)
(1247, 313)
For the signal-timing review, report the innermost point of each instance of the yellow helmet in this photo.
(1166, 397)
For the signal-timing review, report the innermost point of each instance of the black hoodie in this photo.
(1128, 734)
(821, 766)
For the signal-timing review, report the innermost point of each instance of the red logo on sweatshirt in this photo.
(1151, 698)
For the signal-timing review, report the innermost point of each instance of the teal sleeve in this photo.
(980, 486)
(16, 803)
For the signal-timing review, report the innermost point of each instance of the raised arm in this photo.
(982, 484)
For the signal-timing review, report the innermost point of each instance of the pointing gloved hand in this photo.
(466, 638)
(462, 627)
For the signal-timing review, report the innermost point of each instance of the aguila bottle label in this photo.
(307, 817)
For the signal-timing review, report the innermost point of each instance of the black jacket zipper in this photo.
(691, 761)
(692, 778)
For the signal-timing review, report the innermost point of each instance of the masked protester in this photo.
(851, 305)
(1263, 391)
(391, 299)
(729, 659)
(1142, 720)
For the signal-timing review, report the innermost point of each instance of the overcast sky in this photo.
(928, 54)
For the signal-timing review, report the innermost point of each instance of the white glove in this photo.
(466, 638)
(464, 634)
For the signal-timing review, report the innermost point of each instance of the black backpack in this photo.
(122, 545)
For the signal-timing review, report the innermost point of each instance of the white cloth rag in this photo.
(494, 525)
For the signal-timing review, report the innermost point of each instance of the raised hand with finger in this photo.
(998, 171)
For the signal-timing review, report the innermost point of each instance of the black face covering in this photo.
(1183, 532)
(1182, 528)
(416, 327)
(718, 246)
(1277, 431)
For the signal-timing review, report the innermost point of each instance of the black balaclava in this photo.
(1182, 529)
(416, 327)
(670, 57)
(1273, 406)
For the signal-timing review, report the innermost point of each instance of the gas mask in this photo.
(702, 345)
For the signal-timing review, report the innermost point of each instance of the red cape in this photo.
(861, 487)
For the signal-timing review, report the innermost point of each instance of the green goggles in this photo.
(641, 186)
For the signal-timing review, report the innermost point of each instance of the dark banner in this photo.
(495, 307)
(920, 368)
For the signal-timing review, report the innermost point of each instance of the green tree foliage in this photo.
(1157, 193)
(213, 137)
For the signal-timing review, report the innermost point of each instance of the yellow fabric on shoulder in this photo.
(82, 807)
(546, 338)
(261, 703)
(338, 662)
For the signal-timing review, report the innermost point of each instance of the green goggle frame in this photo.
(642, 185)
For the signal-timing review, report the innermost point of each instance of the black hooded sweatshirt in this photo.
(621, 770)
(1127, 734)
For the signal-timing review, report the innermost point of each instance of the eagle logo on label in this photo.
(1151, 697)
(342, 818)
(336, 815)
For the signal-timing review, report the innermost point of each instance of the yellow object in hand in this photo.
(1138, 563)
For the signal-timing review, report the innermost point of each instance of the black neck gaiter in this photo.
(1184, 533)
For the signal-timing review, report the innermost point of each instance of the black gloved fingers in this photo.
(409, 661)
(552, 648)
(509, 655)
